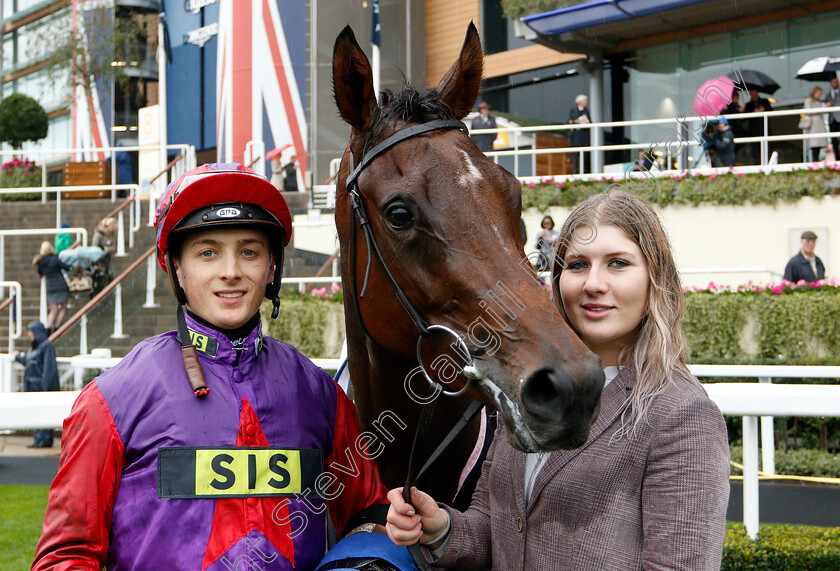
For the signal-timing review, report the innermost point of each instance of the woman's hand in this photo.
(408, 524)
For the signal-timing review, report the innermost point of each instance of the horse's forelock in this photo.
(406, 106)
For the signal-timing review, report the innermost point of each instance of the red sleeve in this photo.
(352, 465)
(78, 517)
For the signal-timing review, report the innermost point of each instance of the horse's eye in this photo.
(399, 217)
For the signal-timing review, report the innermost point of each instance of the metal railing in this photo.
(15, 314)
(710, 271)
(676, 138)
(44, 157)
(765, 400)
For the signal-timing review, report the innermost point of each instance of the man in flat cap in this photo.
(805, 265)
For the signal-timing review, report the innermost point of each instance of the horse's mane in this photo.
(406, 106)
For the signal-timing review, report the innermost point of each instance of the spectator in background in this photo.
(105, 236)
(49, 267)
(832, 99)
(719, 142)
(755, 127)
(484, 121)
(805, 265)
(642, 162)
(40, 372)
(813, 124)
(63, 241)
(544, 242)
(579, 115)
(290, 182)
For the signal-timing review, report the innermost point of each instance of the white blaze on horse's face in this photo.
(471, 175)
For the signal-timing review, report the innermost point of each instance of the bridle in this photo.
(423, 328)
(360, 215)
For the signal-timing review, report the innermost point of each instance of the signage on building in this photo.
(200, 36)
(195, 6)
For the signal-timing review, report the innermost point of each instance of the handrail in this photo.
(7, 303)
(120, 208)
(166, 169)
(99, 296)
(327, 264)
(15, 317)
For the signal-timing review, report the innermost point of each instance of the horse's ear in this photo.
(353, 82)
(459, 87)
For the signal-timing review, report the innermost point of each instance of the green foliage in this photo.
(795, 327)
(781, 546)
(312, 325)
(22, 119)
(802, 462)
(21, 515)
(729, 189)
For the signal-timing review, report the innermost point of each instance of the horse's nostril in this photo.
(546, 391)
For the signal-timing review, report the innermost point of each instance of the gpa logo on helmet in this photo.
(228, 212)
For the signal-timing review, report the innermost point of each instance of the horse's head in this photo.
(446, 221)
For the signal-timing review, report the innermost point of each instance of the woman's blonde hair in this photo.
(658, 350)
(46, 249)
(814, 91)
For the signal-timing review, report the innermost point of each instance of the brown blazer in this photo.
(657, 501)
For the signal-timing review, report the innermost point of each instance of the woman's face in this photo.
(817, 94)
(604, 289)
(547, 223)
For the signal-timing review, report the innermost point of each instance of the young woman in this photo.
(50, 266)
(649, 488)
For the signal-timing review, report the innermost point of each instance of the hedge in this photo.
(315, 327)
(689, 189)
(802, 462)
(796, 326)
(781, 546)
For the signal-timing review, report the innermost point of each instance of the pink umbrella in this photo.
(713, 96)
(271, 154)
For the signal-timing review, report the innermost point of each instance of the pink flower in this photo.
(801, 282)
(815, 284)
(740, 175)
(335, 288)
(561, 185)
(778, 289)
(757, 289)
(531, 184)
(786, 283)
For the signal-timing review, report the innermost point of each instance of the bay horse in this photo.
(442, 256)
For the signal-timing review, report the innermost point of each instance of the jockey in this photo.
(211, 447)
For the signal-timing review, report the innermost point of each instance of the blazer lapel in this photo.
(613, 402)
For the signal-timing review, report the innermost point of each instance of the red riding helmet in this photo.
(221, 195)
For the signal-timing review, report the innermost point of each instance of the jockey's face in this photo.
(224, 274)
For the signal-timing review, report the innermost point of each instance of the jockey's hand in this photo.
(407, 524)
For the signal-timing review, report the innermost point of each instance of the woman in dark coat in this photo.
(40, 373)
(50, 266)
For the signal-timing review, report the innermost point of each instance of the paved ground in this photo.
(30, 466)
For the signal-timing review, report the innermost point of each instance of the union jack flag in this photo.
(257, 96)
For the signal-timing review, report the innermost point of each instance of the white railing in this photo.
(15, 313)
(677, 138)
(133, 210)
(766, 400)
(323, 196)
(301, 282)
(710, 271)
(44, 157)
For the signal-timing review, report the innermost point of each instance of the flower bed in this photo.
(20, 173)
(691, 189)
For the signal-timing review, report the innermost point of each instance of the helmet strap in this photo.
(276, 310)
(191, 365)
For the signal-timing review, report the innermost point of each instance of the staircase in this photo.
(138, 322)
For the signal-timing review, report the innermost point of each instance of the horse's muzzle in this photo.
(560, 407)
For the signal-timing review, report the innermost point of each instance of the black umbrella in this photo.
(753, 79)
(819, 69)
